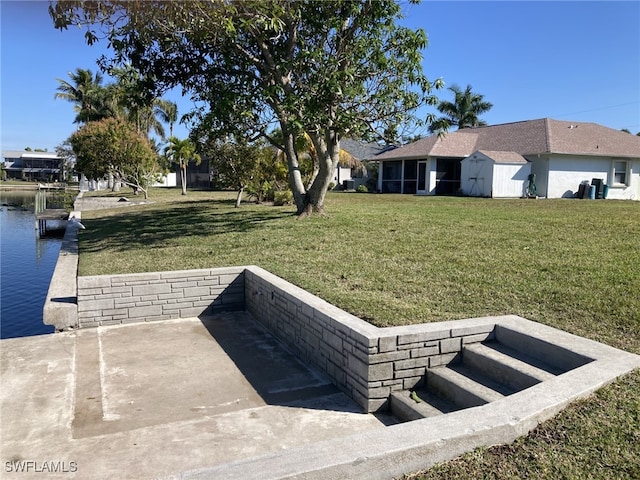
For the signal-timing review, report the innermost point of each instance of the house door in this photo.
(422, 178)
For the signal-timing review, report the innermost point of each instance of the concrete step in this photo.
(462, 386)
(407, 406)
(501, 365)
(560, 359)
(485, 372)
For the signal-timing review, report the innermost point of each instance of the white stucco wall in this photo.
(539, 167)
(168, 180)
(632, 190)
(566, 173)
(341, 174)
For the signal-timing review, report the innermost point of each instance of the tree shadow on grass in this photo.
(159, 228)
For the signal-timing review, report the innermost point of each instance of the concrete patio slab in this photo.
(153, 400)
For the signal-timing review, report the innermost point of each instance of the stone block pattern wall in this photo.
(143, 297)
(364, 361)
(314, 330)
(402, 358)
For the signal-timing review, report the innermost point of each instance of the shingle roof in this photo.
(591, 139)
(525, 138)
(15, 154)
(12, 154)
(503, 157)
(364, 151)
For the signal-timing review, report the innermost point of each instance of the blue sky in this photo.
(576, 60)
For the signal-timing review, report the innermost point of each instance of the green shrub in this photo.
(362, 189)
(283, 197)
(331, 186)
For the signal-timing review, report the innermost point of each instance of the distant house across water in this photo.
(32, 166)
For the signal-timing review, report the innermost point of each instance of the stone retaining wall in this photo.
(364, 361)
(335, 342)
(143, 297)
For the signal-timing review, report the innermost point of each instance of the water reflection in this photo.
(26, 261)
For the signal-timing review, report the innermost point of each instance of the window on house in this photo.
(620, 172)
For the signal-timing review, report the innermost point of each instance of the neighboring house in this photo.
(494, 174)
(363, 152)
(198, 175)
(562, 154)
(35, 166)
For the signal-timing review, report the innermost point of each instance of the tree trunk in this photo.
(183, 178)
(239, 197)
(328, 152)
(295, 177)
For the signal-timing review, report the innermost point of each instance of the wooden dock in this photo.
(57, 215)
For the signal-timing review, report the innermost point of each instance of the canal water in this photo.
(27, 262)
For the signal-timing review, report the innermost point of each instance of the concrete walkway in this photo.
(154, 400)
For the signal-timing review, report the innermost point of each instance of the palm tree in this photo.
(85, 90)
(138, 106)
(151, 118)
(463, 112)
(102, 103)
(145, 120)
(166, 111)
(181, 152)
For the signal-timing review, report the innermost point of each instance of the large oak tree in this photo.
(327, 68)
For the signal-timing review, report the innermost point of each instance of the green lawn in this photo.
(395, 260)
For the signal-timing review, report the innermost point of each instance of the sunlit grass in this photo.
(395, 260)
(401, 259)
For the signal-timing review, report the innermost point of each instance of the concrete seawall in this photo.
(60, 307)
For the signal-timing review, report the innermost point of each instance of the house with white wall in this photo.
(34, 166)
(562, 154)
